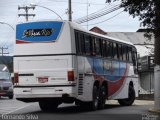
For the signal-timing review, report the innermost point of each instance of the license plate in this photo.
(2, 93)
(42, 79)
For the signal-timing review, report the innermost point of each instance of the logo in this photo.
(37, 32)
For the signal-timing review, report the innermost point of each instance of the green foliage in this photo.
(144, 9)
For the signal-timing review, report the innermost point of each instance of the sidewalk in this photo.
(136, 102)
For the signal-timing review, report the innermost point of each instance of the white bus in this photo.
(60, 62)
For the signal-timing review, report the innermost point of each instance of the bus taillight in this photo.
(70, 75)
(16, 77)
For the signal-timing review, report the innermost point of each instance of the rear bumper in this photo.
(6, 93)
(44, 91)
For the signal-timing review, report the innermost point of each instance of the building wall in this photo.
(146, 82)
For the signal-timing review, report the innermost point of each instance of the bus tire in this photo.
(48, 106)
(131, 97)
(93, 105)
(102, 97)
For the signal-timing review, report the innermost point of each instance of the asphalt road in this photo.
(13, 109)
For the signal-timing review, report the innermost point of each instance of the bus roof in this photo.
(79, 27)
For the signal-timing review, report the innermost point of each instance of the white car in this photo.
(6, 86)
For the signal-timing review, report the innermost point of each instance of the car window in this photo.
(4, 76)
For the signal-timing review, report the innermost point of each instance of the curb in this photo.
(154, 110)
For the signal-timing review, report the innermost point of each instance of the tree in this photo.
(148, 12)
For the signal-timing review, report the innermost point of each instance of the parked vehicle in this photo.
(6, 86)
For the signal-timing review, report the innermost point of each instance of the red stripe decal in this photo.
(115, 86)
(21, 42)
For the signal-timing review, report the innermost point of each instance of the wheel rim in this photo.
(102, 97)
(96, 101)
(95, 97)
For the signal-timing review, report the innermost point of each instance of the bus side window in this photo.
(120, 52)
(134, 59)
(100, 46)
(82, 44)
(103, 48)
(127, 56)
(93, 50)
(115, 51)
(110, 50)
(107, 49)
(124, 52)
(87, 45)
(130, 53)
(97, 46)
(77, 42)
(127, 53)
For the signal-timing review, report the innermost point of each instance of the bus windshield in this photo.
(4, 76)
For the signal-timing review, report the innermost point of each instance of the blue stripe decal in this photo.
(112, 70)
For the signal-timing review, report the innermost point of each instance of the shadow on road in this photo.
(79, 113)
(75, 109)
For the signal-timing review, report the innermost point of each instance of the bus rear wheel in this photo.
(48, 105)
(93, 105)
(131, 97)
(102, 97)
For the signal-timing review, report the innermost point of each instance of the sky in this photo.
(123, 22)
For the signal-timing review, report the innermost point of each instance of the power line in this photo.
(97, 14)
(34, 5)
(106, 19)
(75, 2)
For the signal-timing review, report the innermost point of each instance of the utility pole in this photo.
(87, 14)
(3, 51)
(69, 10)
(26, 8)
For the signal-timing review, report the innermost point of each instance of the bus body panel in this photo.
(85, 78)
(40, 61)
(118, 75)
(44, 92)
(48, 47)
(53, 67)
